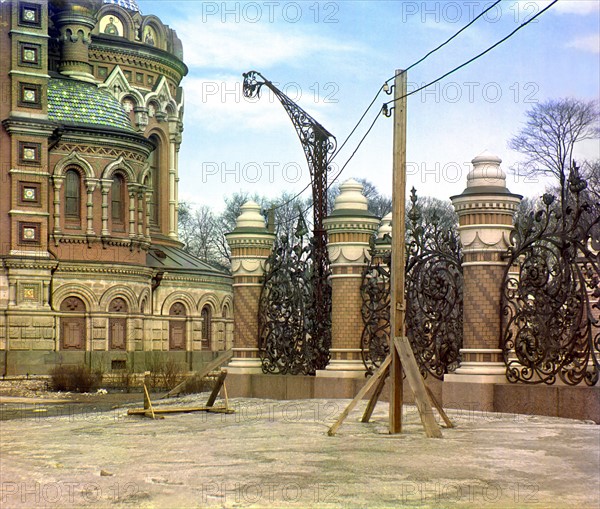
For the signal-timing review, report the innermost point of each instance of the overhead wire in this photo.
(464, 64)
(357, 125)
(522, 25)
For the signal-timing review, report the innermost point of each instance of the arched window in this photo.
(118, 201)
(117, 325)
(72, 325)
(154, 163)
(206, 326)
(72, 196)
(177, 329)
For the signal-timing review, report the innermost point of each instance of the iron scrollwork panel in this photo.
(434, 297)
(551, 292)
(293, 339)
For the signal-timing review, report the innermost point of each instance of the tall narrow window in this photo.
(206, 327)
(72, 195)
(118, 200)
(154, 163)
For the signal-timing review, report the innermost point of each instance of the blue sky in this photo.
(332, 57)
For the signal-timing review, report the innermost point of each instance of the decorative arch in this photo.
(144, 174)
(129, 29)
(119, 164)
(210, 299)
(74, 159)
(116, 83)
(122, 291)
(227, 304)
(144, 300)
(162, 96)
(184, 297)
(153, 22)
(74, 290)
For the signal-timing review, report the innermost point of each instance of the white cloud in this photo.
(248, 45)
(581, 7)
(219, 103)
(588, 43)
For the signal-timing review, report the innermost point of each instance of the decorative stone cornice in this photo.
(250, 234)
(29, 263)
(350, 226)
(485, 209)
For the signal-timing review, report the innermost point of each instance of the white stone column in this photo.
(251, 244)
(58, 182)
(172, 184)
(104, 188)
(132, 192)
(349, 228)
(485, 210)
(140, 213)
(90, 185)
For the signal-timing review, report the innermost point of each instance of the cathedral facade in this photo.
(91, 269)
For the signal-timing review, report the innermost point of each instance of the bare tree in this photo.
(198, 231)
(551, 131)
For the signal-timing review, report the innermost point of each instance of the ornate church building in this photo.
(91, 269)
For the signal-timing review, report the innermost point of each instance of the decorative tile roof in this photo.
(76, 102)
(132, 5)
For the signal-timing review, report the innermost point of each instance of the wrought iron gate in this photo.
(551, 291)
(292, 339)
(433, 295)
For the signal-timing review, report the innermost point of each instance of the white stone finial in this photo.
(351, 197)
(386, 226)
(486, 171)
(250, 216)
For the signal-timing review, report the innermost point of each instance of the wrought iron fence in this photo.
(434, 296)
(551, 291)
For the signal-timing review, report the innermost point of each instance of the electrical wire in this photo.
(422, 59)
(522, 25)
(357, 125)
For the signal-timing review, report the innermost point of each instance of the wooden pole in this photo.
(398, 306)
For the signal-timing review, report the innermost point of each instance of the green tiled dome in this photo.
(77, 102)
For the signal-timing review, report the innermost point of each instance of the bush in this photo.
(172, 374)
(74, 378)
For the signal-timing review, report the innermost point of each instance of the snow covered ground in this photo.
(277, 454)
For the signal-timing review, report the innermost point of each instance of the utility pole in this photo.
(398, 304)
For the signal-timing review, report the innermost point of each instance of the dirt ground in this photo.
(277, 454)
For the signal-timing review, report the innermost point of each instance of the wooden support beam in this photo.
(211, 366)
(217, 388)
(436, 404)
(181, 410)
(415, 380)
(375, 397)
(148, 403)
(365, 388)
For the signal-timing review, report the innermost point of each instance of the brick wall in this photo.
(482, 292)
